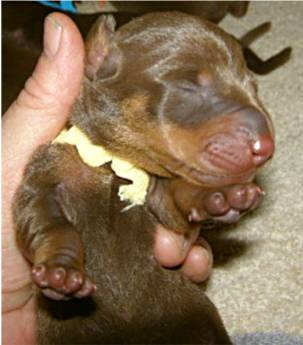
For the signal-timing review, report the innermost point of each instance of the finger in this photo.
(42, 107)
(199, 261)
(37, 115)
(171, 247)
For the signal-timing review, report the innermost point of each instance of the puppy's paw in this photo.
(228, 204)
(244, 197)
(61, 282)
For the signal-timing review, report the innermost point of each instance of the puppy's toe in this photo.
(215, 204)
(244, 197)
(60, 282)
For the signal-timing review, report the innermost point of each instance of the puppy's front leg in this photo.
(221, 204)
(45, 233)
(180, 205)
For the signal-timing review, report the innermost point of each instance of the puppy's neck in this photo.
(113, 121)
(95, 155)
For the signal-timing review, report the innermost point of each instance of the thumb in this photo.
(37, 115)
(43, 106)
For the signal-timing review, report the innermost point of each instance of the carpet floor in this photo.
(257, 282)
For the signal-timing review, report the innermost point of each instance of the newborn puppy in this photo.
(23, 24)
(170, 93)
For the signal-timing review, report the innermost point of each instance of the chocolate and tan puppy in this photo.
(170, 93)
(23, 25)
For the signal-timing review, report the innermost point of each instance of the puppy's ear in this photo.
(102, 54)
(238, 8)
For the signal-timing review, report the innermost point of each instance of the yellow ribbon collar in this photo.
(95, 156)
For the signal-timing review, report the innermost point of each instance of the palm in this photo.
(17, 305)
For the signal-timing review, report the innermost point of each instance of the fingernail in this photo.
(189, 238)
(208, 253)
(206, 256)
(185, 244)
(52, 36)
(181, 243)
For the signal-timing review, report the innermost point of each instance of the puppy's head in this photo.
(172, 93)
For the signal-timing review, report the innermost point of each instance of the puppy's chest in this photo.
(91, 202)
(93, 155)
(115, 241)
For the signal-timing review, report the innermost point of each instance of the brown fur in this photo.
(130, 103)
(23, 27)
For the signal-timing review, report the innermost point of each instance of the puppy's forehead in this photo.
(181, 27)
(176, 35)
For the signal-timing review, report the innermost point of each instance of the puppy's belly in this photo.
(136, 301)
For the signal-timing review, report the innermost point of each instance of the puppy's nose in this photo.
(261, 137)
(263, 148)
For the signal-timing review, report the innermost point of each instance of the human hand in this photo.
(38, 114)
(192, 253)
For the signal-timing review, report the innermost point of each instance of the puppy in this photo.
(171, 94)
(23, 27)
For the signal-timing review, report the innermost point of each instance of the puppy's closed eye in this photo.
(188, 86)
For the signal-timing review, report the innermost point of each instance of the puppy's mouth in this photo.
(227, 149)
(223, 158)
(210, 178)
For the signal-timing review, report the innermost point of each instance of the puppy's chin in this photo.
(212, 179)
(221, 180)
